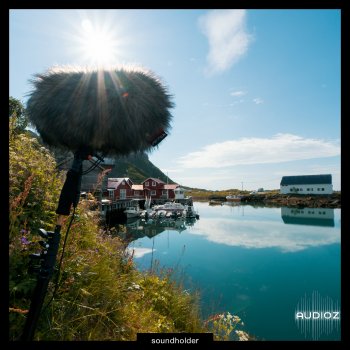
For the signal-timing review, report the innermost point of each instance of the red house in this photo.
(122, 188)
(158, 189)
(119, 188)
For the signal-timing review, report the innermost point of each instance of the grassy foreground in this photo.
(100, 294)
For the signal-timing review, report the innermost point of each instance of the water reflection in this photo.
(308, 216)
(223, 256)
(139, 228)
(265, 231)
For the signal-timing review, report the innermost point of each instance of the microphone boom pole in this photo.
(69, 196)
(113, 111)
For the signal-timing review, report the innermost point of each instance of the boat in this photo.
(170, 206)
(234, 198)
(170, 209)
(132, 212)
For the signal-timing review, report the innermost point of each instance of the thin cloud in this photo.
(227, 37)
(238, 93)
(258, 100)
(253, 150)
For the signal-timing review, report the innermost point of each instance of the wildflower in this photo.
(23, 231)
(134, 286)
(25, 241)
(236, 319)
(242, 336)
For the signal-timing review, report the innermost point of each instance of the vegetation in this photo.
(226, 327)
(100, 295)
(138, 167)
(17, 115)
(201, 194)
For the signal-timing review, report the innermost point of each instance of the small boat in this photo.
(234, 198)
(169, 206)
(132, 212)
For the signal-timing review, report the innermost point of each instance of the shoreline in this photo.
(290, 200)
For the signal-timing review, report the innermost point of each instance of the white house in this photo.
(179, 193)
(307, 184)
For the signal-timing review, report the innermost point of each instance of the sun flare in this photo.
(98, 45)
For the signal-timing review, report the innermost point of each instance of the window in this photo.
(322, 189)
(136, 193)
(308, 189)
(154, 183)
(111, 194)
(122, 193)
(164, 192)
(147, 183)
(153, 193)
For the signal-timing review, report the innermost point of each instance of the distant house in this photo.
(307, 184)
(138, 191)
(119, 188)
(122, 188)
(158, 189)
(179, 193)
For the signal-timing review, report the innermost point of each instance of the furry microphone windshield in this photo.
(116, 111)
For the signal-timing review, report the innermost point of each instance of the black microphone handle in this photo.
(70, 192)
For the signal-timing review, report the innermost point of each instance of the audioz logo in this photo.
(317, 316)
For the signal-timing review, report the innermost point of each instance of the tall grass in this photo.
(100, 295)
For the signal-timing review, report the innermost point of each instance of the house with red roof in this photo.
(124, 189)
(158, 189)
(119, 188)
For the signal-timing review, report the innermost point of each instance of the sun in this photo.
(98, 44)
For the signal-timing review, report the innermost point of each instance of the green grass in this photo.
(100, 295)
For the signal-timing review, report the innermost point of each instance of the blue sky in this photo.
(257, 92)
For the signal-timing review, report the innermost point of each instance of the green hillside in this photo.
(137, 167)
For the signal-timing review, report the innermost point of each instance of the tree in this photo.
(18, 115)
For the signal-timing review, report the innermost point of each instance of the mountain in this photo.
(137, 167)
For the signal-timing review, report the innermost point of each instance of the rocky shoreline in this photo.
(288, 200)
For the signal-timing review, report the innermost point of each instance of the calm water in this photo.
(262, 264)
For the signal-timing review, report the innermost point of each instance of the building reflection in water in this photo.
(139, 228)
(308, 216)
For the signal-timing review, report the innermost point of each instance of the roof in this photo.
(170, 186)
(154, 179)
(306, 180)
(119, 179)
(137, 187)
(114, 182)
